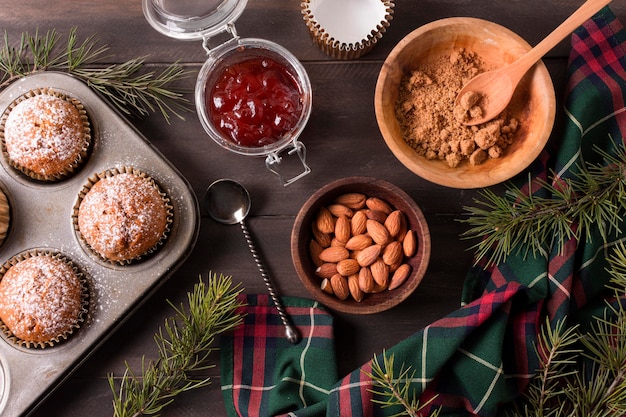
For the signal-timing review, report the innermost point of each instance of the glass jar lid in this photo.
(192, 19)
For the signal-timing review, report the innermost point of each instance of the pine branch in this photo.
(572, 388)
(563, 385)
(557, 360)
(396, 390)
(525, 223)
(185, 344)
(125, 85)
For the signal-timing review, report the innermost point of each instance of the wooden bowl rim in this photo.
(301, 235)
(466, 177)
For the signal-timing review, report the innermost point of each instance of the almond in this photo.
(377, 204)
(325, 221)
(369, 255)
(358, 223)
(366, 280)
(378, 288)
(403, 228)
(393, 223)
(334, 254)
(339, 210)
(323, 239)
(336, 242)
(409, 244)
(348, 267)
(339, 285)
(326, 270)
(355, 290)
(354, 201)
(378, 232)
(394, 267)
(343, 230)
(326, 287)
(379, 216)
(380, 272)
(359, 242)
(398, 277)
(315, 248)
(393, 253)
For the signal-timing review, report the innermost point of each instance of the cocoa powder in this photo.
(432, 126)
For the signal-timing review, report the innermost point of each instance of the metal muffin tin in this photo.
(41, 218)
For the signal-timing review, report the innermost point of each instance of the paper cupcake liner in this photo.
(340, 45)
(82, 156)
(85, 300)
(5, 215)
(91, 181)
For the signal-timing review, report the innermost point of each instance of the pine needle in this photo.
(185, 344)
(394, 390)
(526, 223)
(126, 85)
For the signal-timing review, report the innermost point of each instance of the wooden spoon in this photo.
(495, 88)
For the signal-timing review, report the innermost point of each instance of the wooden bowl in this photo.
(302, 235)
(534, 102)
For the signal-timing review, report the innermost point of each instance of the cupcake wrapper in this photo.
(77, 163)
(339, 48)
(85, 300)
(109, 173)
(5, 215)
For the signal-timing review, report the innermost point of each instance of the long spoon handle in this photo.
(290, 331)
(580, 16)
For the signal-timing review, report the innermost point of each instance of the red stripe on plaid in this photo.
(525, 327)
(598, 66)
(261, 331)
(238, 365)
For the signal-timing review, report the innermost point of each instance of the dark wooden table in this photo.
(342, 139)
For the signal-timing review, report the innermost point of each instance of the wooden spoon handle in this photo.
(580, 16)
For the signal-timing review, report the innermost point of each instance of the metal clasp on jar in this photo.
(226, 35)
(273, 163)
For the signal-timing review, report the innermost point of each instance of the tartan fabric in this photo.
(263, 374)
(479, 358)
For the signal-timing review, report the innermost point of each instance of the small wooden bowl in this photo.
(534, 102)
(301, 236)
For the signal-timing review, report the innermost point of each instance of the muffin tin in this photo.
(41, 218)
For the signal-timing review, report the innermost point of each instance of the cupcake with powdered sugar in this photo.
(45, 134)
(122, 215)
(43, 299)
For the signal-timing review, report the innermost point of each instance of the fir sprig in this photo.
(591, 381)
(557, 356)
(579, 374)
(127, 86)
(185, 344)
(526, 223)
(394, 390)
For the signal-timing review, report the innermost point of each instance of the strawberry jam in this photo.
(254, 102)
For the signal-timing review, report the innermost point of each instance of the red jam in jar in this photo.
(254, 102)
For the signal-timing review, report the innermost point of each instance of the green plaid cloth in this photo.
(264, 375)
(479, 358)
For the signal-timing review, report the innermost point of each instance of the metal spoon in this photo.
(228, 202)
(497, 87)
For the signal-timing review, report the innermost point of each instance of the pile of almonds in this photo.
(360, 246)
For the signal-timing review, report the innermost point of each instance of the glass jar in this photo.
(207, 20)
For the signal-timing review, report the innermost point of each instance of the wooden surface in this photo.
(342, 140)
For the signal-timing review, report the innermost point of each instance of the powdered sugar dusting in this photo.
(122, 216)
(44, 134)
(40, 298)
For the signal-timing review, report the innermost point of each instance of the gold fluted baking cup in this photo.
(347, 29)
